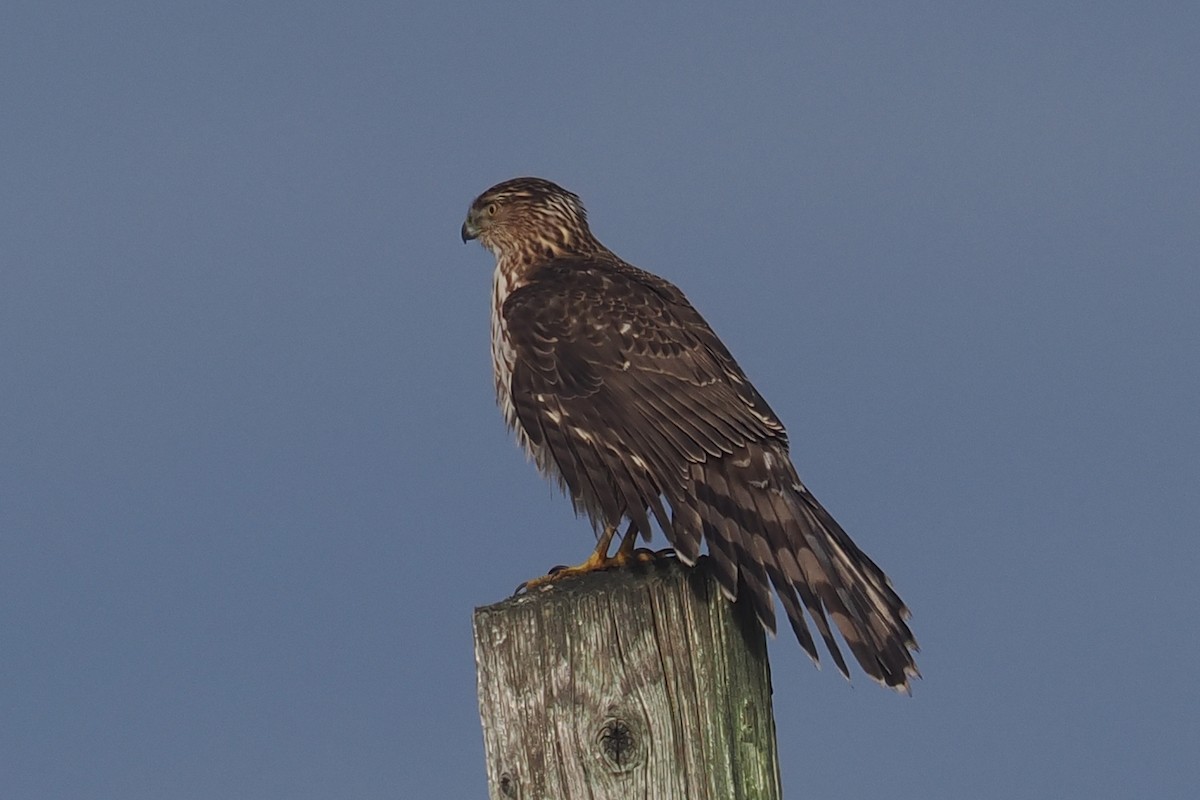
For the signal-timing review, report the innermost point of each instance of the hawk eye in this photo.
(491, 209)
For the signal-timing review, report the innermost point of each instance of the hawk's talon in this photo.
(639, 555)
(524, 587)
(626, 556)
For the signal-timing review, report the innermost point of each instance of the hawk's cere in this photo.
(621, 391)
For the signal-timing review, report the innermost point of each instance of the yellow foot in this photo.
(597, 561)
(630, 553)
(624, 557)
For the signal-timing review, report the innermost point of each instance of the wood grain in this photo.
(633, 683)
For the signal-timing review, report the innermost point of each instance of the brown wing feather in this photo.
(633, 400)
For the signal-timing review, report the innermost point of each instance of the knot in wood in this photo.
(509, 787)
(619, 745)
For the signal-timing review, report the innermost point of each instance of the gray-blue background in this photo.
(252, 481)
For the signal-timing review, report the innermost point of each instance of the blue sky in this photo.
(252, 480)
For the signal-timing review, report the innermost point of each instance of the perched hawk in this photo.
(620, 391)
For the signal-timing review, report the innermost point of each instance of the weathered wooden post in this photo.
(630, 683)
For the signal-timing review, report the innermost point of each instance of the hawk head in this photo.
(531, 220)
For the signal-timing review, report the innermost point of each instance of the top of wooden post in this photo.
(638, 682)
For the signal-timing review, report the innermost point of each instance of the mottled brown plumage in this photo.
(620, 391)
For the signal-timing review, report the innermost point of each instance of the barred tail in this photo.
(766, 530)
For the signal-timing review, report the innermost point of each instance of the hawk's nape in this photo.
(621, 392)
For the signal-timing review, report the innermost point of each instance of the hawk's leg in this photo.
(630, 553)
(599, 559)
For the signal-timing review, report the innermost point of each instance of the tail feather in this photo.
(810, 587)
(785, 574)
(768, 536)
(731, 548)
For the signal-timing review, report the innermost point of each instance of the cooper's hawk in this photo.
(620, 391)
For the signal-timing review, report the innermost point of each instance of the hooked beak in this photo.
(469, 231)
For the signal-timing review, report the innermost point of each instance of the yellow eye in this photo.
(491, 209)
